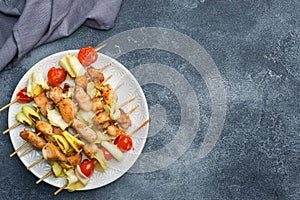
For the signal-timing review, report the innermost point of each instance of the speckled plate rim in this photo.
(130, 88)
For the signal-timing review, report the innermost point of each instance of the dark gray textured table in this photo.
(252, 152)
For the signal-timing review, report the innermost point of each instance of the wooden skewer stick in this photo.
(117, 87)
(44, 177)
(100, 47)
(106, 79)
(129, 113)
(66, 184)
(21, 147)
(9, 104)
(31, 148)
(100, 84)
(105, 67)
(141, 126)
(61, 188)
(12, 127)
(35, 163)
(26, 152)
(127, 102)
(132, 110)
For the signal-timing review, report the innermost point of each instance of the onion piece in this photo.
(56, 119)
(114, 150)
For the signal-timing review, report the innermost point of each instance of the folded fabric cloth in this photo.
(32, 23)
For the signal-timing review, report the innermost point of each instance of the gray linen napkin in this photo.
(35, 22)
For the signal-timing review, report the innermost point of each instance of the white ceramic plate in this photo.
(130, 88)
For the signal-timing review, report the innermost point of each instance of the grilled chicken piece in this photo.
(103, 126)
(124, 121)
(107, 93)
(57, 130)
(90, 150)
(67, 109)
(35, 140)
(55, 94)
(102, 118)
(52, 152)
(44, 127)
(113, 130)
(83, 99)
(81, 81)
(97, 105)
(84, 131)
(43, 103)
(95, 74)
(74, 158)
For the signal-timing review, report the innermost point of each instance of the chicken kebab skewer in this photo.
(90, 109)
(88, 55)
(50, 172)
(27, 95)
(91, 150)
(87, 133)
(64, 105)
(54, 98)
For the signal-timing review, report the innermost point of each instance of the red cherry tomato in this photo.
(106, 153)
(87, 55)
(87, 167)
(123, 142)
(56, 76)
(22, 96)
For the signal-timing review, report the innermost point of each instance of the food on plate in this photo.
(82, 127)
(21, 97)
(56, 76)
(35, 140)
(71, 64)
(43, 103)
(88, 55)
(36, 84)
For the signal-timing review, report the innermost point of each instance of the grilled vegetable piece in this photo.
(55, 119)
(94, 153)
(30, 113)
(72, 65)
(56, 76)
(73, 141)
(57, 170)
(114, 150)
(73, 181)
(24, 120)
(35, 140)
(62, 143)
(36, 84)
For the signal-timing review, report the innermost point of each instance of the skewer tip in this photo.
(100, 47)
(60, 189)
